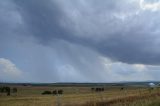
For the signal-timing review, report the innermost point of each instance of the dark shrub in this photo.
(92, 89)
(122, 88)
(14, 90)
(46, 93)
(55, 92)
(60, 91)
(98, 89)
(7, 90)
(1, 90)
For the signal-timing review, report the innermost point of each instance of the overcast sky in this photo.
(79, 40)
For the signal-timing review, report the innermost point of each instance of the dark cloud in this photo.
(55, 40)
(119, 30)
(42, 19)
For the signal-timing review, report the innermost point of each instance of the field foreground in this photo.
(82, 96)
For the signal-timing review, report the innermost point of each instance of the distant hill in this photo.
(140, 84)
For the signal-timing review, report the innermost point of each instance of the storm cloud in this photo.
(79, 40)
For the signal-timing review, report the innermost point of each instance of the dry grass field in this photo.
(82, 96)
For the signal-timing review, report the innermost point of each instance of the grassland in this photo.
(82, 96)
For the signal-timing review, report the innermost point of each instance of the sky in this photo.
(79, 40)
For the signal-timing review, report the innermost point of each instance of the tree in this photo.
(46, 93)
(121, 88)
(14, 90)
(7, 90)
(92, 89)
(60, 91)
(54, 92)
(1, 90)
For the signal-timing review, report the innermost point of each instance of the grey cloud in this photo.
(42, 19)
(119, 30)
(124, 32)
(55, 40)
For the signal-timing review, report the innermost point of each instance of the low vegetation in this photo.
(7, 90)
(55, 92)
(79, 96)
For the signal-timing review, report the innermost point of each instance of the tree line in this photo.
(54, 92)
(98, 89)
(8, 90)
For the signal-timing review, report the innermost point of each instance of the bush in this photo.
(121, 88)
(14, 90)
(46, 93)
(5, 90)
(60, 91)
(92, 89)
(54, 92)
(1, 90)
(8, 90)
(99, 89)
